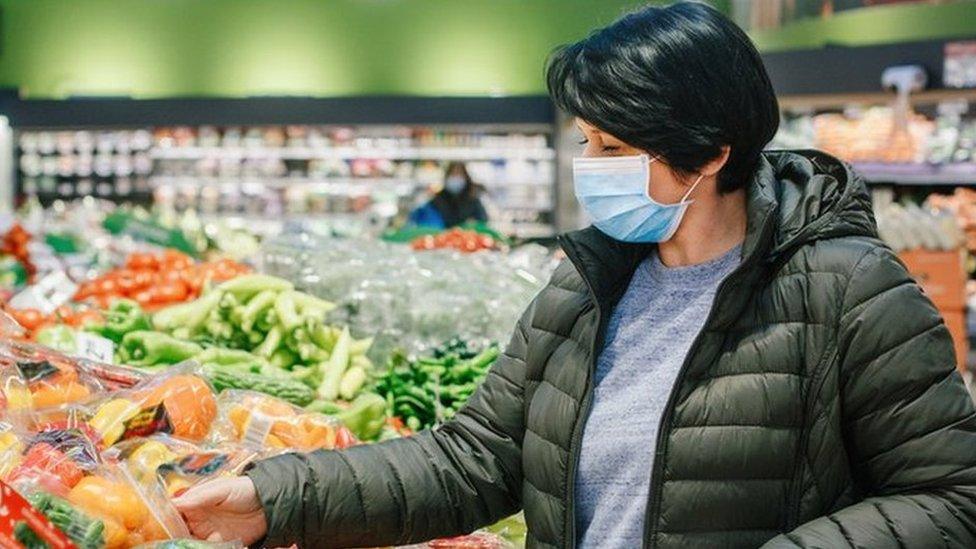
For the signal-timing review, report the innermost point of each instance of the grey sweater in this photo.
(648, 336)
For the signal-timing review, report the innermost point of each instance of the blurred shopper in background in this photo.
(457, 203)
(731, 357)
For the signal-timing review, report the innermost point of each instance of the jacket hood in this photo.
(794, 198)
(814, 196)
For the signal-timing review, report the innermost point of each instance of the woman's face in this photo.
(668, 188)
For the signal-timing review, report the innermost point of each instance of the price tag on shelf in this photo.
(95, 348)
(49, 293)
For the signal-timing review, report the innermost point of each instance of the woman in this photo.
(456, 204)
(731, 357)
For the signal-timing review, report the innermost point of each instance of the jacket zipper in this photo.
(661, 444)
(585, 405)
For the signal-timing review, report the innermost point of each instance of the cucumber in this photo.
(285, 388)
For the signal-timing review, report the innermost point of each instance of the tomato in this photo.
(139, 261)
(85, 290)
(169, 292)
(106, 285)
(86, 318)
(175, 260)
(145, 297)
(30, 319)
(144, 278)
(344, 438)
(125, 280)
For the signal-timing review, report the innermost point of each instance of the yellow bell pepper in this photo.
(18, 395)
(147, 458)
(109, 420)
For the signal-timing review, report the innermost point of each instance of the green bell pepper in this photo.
(154, 348)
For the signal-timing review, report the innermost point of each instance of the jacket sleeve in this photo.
(451, 480)
(907, 421)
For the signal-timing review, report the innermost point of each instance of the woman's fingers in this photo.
(206, 495)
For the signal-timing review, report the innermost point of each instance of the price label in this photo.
(49, 293)
(95, 348)
(15, 510)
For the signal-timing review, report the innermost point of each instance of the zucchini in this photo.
(285, 388)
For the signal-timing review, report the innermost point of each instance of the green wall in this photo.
(877, 25)
(158, 48)
(165, 48)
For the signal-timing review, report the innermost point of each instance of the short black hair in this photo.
(679, 81)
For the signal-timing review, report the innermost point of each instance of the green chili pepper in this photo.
(189, 316)
(311, 306)
(152, 348)
(244, 287)
(335, 367)
(320, 334)
(329, 408)
(270, 344)
(283, 359)
(256, 307)
(122, 317)
(219, 355)
(365, 416)
(288, 317)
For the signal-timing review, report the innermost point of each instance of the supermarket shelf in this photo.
(351, 153)
(917, 174)
(278, 182)
(841, 100)
(286, 182)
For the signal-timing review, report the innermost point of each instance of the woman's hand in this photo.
(225, 509)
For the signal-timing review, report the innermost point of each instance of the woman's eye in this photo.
(610, 149)
(583, 141)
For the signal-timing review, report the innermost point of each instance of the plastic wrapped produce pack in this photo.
(414, 300)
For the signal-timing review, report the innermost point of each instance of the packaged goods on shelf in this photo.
(937, 150)
(409, 299)
(263, 173)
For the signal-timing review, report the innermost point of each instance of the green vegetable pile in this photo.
(431, 389)
(84, 532)
(253, 332)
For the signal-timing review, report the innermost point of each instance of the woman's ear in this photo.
(715, 165)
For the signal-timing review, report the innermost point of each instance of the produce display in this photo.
(258, 421)
(455, 239)
(430, 389)
(156, 280)
(409, 300)
(14, 243)
(235, 366)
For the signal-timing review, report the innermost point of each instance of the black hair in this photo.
(680, 82)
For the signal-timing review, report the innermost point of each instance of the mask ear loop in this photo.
(693, 186)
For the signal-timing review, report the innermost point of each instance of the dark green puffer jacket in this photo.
(819, 407)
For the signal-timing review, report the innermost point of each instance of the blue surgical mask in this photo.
(614, 193)
(455, 184)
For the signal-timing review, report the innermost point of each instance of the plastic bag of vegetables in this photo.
(190, 544)
(262, 422)
(177, 464)
(179, 402)
(104, 508)
(54, 450)
(43, 380)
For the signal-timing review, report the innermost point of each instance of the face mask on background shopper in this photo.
(454, 184)
(614, 193)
